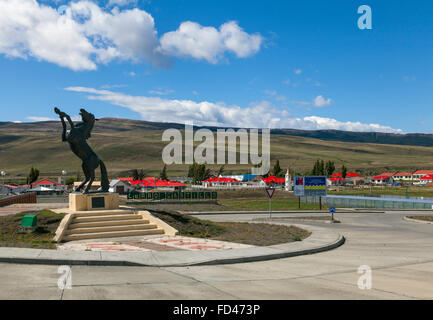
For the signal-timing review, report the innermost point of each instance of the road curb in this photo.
(417, 221)
(208, 213)
(321, 240)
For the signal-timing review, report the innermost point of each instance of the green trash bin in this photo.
(29, 221)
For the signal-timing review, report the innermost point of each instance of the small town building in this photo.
(426, 179)
(382, 180)
(221, 182)
(273, 181)
(242, 177)
(402, 177)
(120, 187)
(418, 174)
(153, 183)
(45, 185)
(337, 181)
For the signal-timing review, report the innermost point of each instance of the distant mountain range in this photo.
(128, 144)
(113, 124)
(409, 139)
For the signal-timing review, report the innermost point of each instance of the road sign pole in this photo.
(270, 193)
(270, 208)
(332, 211)
(299, 202)
(320, 202)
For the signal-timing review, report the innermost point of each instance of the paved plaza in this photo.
(399, 252)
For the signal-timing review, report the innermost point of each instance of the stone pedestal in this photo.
(96, 201)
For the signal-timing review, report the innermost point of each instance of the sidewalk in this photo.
(151, 243)
(23, 207)
(320, 240)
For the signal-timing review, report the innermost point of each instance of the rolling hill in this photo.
(127, 144)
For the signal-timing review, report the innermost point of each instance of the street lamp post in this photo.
(64, 173)
(3, 173)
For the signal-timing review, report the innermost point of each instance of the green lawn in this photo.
(12, 236)
(422, 218)
(258, 234)
(394, 191)
(277, 204)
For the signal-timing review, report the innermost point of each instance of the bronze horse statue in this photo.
(77, 138)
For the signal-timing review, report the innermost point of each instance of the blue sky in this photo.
(291, 64)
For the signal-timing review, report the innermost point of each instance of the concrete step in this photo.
(103, 213)
(106, 218)
(112, 234)
(107, 223)
(112, 228)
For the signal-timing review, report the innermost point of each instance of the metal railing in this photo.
(388, 203)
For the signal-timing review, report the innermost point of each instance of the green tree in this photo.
(70, 181)
(321, 168)
(343, 172)
(316, 168)
(163, 174)
(330, 168)
(277, 171)
(33, 175)
(141, 174)
(191, 170)
(199, 172)
(135, 174)
(220, 171)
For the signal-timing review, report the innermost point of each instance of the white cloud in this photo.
(207, 43)
(112, 86)
(82, 35)
(257, 115)
(320, 101)
(40, 119)
(298, 71)
(161, 92)
(121, 3)
(78, 39)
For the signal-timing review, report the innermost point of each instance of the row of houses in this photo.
(119, 185)
(125, 185)
(420, 177)
(41, 187)
(247, 180)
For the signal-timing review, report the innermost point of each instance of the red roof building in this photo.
(221, 180)
(427, 177)
(400, 176)
(337, 179)
(273, 179)
(386, 174)
(353, 175)
(381, 179)
(45, 183)
(348, 175)
(421, 173)
(150, 182)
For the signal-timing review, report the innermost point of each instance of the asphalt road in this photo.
(400, 254)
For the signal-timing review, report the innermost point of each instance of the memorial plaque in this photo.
(98, 202)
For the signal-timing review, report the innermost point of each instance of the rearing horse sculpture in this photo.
(77, 137)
